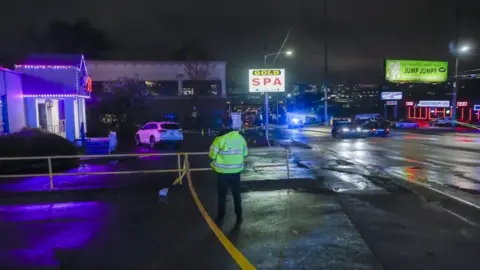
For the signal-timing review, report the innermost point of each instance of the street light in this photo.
(458, 50)
(464, 49)
(265, 57)
(287, 53)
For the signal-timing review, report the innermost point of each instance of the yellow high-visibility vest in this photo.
(228, 152)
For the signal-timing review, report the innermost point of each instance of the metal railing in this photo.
(182, 169)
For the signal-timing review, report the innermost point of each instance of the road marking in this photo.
(440, 192)
(459, 216)
(239, 258)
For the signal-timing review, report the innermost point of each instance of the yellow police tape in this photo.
(182, 175)
(467, 125)
(239, 258)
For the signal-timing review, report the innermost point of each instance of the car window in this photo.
(170, 126)
(153, 126)
(147, 126)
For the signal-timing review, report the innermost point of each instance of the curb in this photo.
(300, 184)
(300, 144)
(87, 194)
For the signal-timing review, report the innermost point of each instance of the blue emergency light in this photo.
(476, 107)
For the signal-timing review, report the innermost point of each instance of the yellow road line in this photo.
(239, 258)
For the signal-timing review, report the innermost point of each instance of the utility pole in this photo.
(456, 52)
(325, 57)
(265, 56)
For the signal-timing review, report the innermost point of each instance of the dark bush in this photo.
(31, 142)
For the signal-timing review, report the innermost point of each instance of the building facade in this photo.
(194, 93)
(165, 79)
(47, 92)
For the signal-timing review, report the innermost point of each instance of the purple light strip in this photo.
(47, 67)
(55, 96)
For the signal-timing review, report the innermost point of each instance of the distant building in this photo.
(193, 92)
(165, 79)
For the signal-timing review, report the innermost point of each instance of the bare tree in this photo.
(123, 102)
(199, 70)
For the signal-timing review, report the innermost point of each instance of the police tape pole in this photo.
(179, 163)
(50, 172)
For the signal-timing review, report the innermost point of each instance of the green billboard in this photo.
(416, 71)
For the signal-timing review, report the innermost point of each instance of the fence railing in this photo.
(182, 168)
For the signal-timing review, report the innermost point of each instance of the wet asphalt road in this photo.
(414, 198)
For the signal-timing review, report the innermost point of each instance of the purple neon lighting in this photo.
(46, 229)
(46, 67)
(55, 96)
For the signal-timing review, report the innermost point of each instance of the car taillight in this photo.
(388, 129)
(373, 129)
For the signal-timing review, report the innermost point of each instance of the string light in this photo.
(55, 96)
(86, 82)
(47, 67)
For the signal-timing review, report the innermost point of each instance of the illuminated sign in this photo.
(89, 85)
(476, 107)
(409, 103)
(390, 103)
(86, 83)
(416, 71)
(391, 95)
(434, 103)
(462, 104)
(266, 80)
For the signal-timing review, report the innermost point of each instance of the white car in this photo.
(442, 121)
(406, 124)
(158, 132)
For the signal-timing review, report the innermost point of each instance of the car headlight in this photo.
(345, 129)
(359, 129)
(295, 120)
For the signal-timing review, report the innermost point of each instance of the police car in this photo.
(295, 123)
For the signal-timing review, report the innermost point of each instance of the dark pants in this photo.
(233, 181)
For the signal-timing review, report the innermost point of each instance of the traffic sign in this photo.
(434, 103)
(266, 80)
(391, 95)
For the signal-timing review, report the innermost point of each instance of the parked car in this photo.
(442, 121)
(406, 124)
(159, 132)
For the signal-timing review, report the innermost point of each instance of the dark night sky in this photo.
(361, 32)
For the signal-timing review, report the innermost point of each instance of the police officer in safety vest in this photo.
(227, 152)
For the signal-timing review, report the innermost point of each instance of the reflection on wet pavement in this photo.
(37, 238)
(448, 160)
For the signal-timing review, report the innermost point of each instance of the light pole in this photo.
(325, 68)
(265, 57)
(458, 51)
